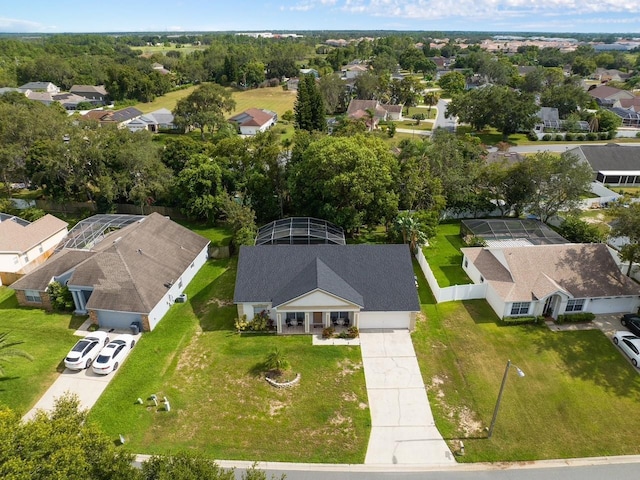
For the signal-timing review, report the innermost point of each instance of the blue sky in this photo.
(608, 16)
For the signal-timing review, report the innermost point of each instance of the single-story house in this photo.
(612, 164)
(25, 245)
(132, 276)
(161, 119)
(354, 70)
(607, 96)
(369, 286)
(39, 87)
(358, 109)
(97, 94)
(109, 117)
(70, 101)
(551, 279)
(254, 120)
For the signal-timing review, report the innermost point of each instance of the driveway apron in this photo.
(402, 428)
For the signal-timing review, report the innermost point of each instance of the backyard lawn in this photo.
(444, 257)
(47, 338)
(574, 401)
(221, 406)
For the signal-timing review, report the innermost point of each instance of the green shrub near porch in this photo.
(575, 317)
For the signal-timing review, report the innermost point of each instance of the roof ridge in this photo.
(135, 285)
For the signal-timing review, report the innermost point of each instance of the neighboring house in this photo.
(70, 101)
(97, 94)
(4, 90)
(307, 71)
(254, 120)
(132, 276)
(109, 117)
(551, 280)
(363, 109)
(25, 245)
(353, 70)
(158, 67)
(611, 75)
(372, 286)
(612, 164)
(292, 84)
(550, 119)
(39, 87)
(155, 121)
(632, 104)
(606, 96)
(45, 98)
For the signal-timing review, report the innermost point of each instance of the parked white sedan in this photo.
(86, 350)
(629, 344)
(112, 356)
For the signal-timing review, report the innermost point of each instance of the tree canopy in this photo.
(204, 108)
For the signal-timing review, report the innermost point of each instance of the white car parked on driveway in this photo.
(86, 350)
(629, 344)
(112, 356)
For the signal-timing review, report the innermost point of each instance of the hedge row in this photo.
(521, 320)
(575, 317)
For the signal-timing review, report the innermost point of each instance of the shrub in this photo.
(580, 137)
(533, 136)
(592, 136)
(61, 298)
(638, 135)
(575, 317)
(569, 137)
(328, 332)
(603, 135)
(558, 138)
(530, 320)
(260, 323)
(353, 332)
(546, 137)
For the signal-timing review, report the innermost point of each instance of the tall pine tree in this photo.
(309, 107)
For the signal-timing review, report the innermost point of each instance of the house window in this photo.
(295, 316)
(466, 263)
(520, 308)
(180, 282)
(25, 258)
(193, 264)
(575, 305)
(40, 249)
(32, 296)
(339, 315)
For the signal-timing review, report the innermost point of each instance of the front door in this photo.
(317, 320)
(549, 306)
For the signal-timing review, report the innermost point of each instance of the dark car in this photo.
(632, 322)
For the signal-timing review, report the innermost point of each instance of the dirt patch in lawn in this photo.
(463, 416)
(347, 367)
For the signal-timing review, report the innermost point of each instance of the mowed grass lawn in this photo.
(578, 397)
(272, 98)
(47, 338)
(444, 257)
(221, 406)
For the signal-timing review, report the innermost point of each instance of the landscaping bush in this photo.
(580, 137)
(546, 137)
(353, 332)
(592, 136)
(558, 138)
(260, 323)
(530, 320)
(575, 317)
(328, 332)
(603, 135)
(569, 137)
(532, 136)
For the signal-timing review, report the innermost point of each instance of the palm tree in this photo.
(431, 99)
(276, 361)
(7, 351)
(411, 231)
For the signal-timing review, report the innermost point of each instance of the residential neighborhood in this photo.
(306, 249)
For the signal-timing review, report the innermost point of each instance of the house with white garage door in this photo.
(317, 286)
(132, 276)
(551, 280)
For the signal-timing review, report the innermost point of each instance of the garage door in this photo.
(396, 320)
(612, 305)
(119, 320)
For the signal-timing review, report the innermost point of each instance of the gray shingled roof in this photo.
(377, 277)
(610, 157)
(55, 266)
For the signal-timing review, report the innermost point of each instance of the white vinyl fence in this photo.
(448, 294)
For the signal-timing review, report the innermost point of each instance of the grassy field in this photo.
(218, 235)
(444, 257)
(47, 338)
(184, 49)
(272, 98)
(221, 406)
(574, 400)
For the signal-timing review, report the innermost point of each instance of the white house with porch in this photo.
(304, 288)
(551, 280)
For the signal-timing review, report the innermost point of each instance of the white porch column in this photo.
(279, 322)
(356, 319)
(306, 322)
(327, 320)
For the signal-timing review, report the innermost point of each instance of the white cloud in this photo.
(17, 25)
(474, 9)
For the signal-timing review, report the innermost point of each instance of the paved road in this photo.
(558, 148)
(441, 120)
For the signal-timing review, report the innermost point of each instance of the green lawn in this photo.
(574, 401)
(47, 338)
(273, 98)
(221, 405)
(167, 101)
(444, 257)
(218, 235)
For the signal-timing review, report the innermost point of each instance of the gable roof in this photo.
(117, 116)
(605, 92)
(133, 266)
(20, 237)
(377, 277)
(610, 157)
(523, 274)
(253, 117)
(58, 264)
(88, 89)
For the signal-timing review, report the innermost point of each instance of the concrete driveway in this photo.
(402, 427)
(87, 385)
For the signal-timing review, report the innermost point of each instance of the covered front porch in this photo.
(313, 322)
